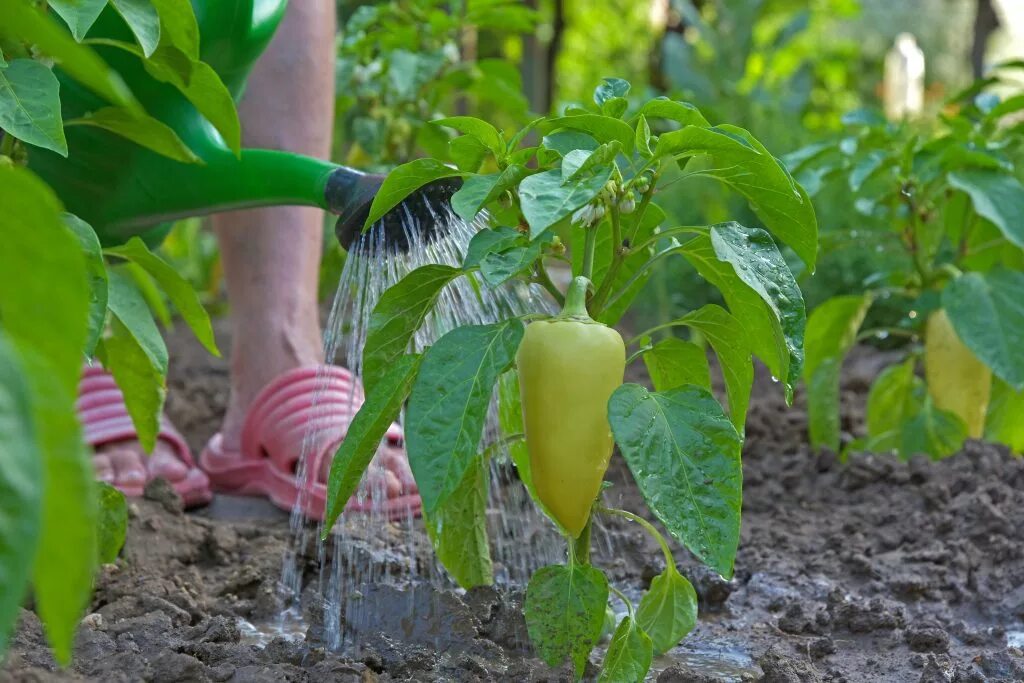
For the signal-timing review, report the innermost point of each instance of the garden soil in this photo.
(869, 570)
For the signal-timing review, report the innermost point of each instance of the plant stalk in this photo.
(581, 546)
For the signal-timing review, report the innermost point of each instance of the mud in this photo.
(868, 570)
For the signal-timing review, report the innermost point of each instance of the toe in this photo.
(396, 463)
(104, 469)
(166, 464)
(129, 469)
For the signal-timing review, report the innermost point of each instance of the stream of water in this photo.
(368, 550)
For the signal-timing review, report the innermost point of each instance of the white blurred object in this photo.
(903, 83)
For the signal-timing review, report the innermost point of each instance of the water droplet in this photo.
(775, 379)
(912, 315)
(882, 334)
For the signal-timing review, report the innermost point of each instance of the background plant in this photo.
(591, 185)
(64, 299)
(939, 203)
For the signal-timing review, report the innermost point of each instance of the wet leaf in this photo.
(565, 141)
(480, 190)
(747, 267)
(458, 531)
(545, 200)
(402, 182)
(21, 492)
(652, 217)
(143, 20)
(136, 356)
(673, 362)
(112, 524)
(998, 197)
(580, 162)
(565, 612)
(609, 89)
(727, 338)
(449, 402)
(985, 310)
(490, 240)
(365, 432)
(97, 268)
(668, 610)
(30, 105)
(399, 313)
(684, 454)
(681, 112)
(177, 289)
(141, 129)
(831, 332)
(629, 654)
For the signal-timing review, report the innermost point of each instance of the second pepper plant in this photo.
(583, 188)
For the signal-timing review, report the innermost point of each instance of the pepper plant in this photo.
(64, 299)
(585, 190)
(940, 203)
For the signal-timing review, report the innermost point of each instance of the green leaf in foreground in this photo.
(365, 433)
(136, 356)
(97, 268)
(402, 182)
(30, 105)
(684, 454)
(545, 200)
(21, 490)
(79, 15)
(601, 128)
(449, 402)
(565, 612)
(398, 315)
(177, 289)
(999, 197)
(113, 522)
(933, 431)
(458, 531)
(142, 19)
(727, 337)
(668, 610)
(487, 134)
(985, 310)
(673, 362)
(629, 654)
(141, 129)
(480, 190)
(831, 332)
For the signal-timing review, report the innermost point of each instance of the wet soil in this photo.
(868, 570)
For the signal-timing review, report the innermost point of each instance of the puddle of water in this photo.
(262, 634)
(1015, 639)
(719, 659)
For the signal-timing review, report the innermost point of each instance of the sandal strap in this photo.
(104, 416)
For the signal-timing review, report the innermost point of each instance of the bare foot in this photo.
(125, 466)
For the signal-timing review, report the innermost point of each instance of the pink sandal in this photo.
(105, 420)
(308, 410)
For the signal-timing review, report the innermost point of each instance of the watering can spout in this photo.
(417, 219)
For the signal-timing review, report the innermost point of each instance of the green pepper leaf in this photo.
(629, 654)
(998, 197)
(97, 268)
(896, 396)
(79, 15)
(565, 612)
(178, 27)
(643, 138)
(726, 336)
(601, 128)
(985, 311)
(609, 89)
(564, 141)
(681, 112)
(831, 332)
(402, 182)
(579, 162)
(41, 256)
(30, 105)
(136, 356)
(143, 20)
(177, 289)
(113, 522)
(545, 200)
(1003, 423)
(399, 313)
(668, 610)
(21, 490)
(458, 530)
(479, 190)
(365, 432)
(747, 267)
(449, 401)
(936, 432)
(487, 134)
(673, 362)
(490, 240)
(141, 129)
(684, 454)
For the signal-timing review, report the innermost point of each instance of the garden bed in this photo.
(873, 570)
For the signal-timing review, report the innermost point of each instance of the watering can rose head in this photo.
(419, 218)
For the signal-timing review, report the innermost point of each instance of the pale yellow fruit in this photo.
(957, 381)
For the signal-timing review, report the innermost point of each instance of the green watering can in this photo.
(124, 190)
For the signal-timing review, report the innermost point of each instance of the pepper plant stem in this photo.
(580, 547)
(670, 560)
